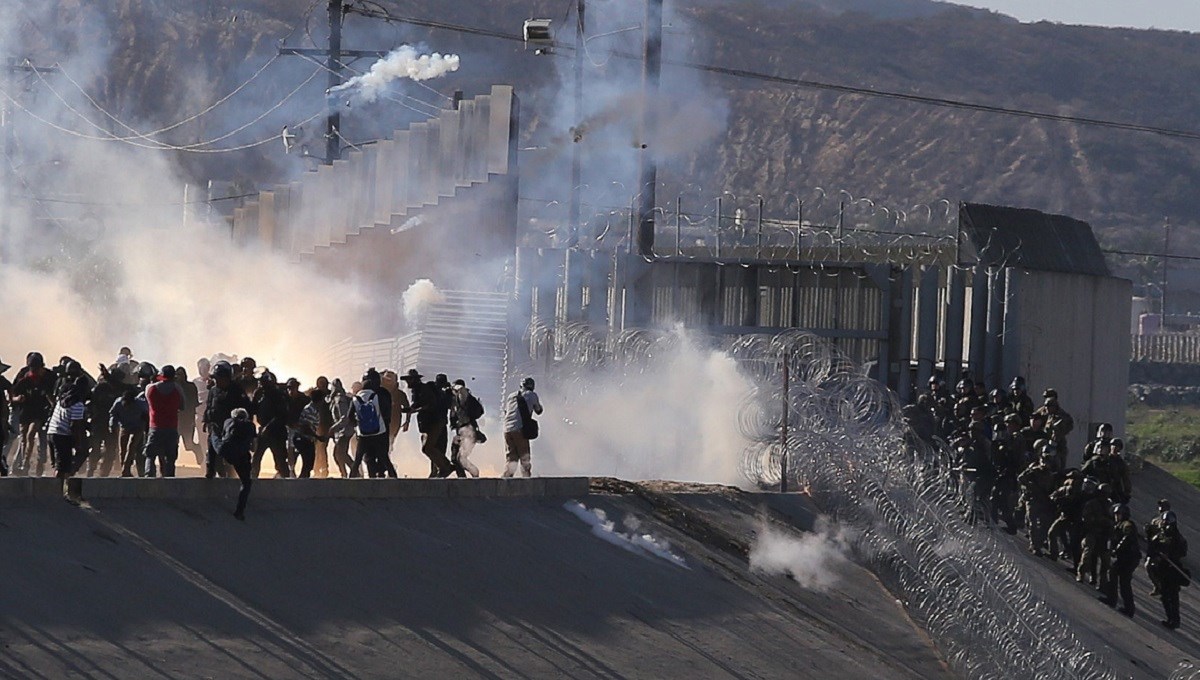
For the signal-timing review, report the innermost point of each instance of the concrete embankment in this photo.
(417, 578)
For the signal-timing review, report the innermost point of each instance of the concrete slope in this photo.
(428, 587)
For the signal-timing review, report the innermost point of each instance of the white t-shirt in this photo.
(63, 416)
(512, 412)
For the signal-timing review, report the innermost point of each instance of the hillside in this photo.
(769, 139)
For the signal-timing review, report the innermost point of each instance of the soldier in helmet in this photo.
(1059, 424)
(1037, 483)
(1126, 553)
(1166, 551)
(1153, 527)
(1106, 466)
(1008, 461)
(1104, 434)
(1063, 535)
(1018, 399)
(1095, 525)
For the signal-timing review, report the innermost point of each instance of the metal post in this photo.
(1166, 249)
(678, 219)
(841, 232)
(760, 226)
(333, 145)
(799, 225)
(719, 225)
(576, 153)
(783, 438)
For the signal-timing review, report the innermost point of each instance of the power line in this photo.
(1133, 253)
(156, 144)
(43, 199)
(815, 84)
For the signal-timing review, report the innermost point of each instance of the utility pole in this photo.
(333, 145)
(640, 282)
(648, 170)
(9, 164)
(577, 136)
(335, 57)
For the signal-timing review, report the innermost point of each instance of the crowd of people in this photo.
(1012, 463)
(132, 418)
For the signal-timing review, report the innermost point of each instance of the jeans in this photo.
(162, 447)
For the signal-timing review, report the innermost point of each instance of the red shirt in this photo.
(165, 400)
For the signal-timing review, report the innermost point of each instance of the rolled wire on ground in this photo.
(1186, 671)
(846, 448)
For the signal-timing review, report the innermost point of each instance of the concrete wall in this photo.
(1071, 335)
(193, 488)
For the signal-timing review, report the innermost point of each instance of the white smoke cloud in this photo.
(116, 264)
(632, 539)
(417, 299)
(404, 62)
(812, 559)
(675, 419)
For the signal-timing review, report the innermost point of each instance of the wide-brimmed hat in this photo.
(412, 374)
(4, 367)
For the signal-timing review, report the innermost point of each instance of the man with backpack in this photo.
(520, 428)
(369, 412)
(431, 406)
(465, 412)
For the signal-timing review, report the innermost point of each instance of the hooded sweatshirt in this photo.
(166, 401)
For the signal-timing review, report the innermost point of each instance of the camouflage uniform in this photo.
(1095, 525)
(1037, 483)
(1126, 553)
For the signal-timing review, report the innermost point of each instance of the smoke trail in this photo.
(402, 62)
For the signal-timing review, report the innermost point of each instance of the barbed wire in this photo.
(846, 448)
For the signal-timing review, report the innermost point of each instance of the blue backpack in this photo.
(366, 412)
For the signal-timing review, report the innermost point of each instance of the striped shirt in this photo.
(64, 416)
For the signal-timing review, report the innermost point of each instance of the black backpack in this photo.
(529, 426)
(473, 407)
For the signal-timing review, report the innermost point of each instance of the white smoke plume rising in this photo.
(417, 299)
(632, 539)
(812, 559)
(404, 62)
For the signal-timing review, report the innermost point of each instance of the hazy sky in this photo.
(1183, 15)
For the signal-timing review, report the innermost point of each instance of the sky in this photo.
(1182, 15)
